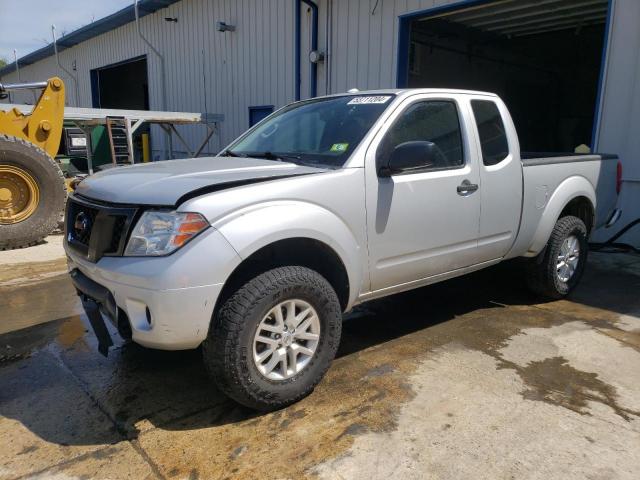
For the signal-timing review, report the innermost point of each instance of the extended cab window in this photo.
(433, 121)
(493, 138)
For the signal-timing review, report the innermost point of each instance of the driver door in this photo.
(420, 223)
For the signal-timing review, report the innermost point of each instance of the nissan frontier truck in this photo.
(255, 254)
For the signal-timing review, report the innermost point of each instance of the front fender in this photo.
(250, 229)
(572, 187)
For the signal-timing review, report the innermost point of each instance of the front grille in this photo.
(82, 219)
(118, 232)
(96, 230)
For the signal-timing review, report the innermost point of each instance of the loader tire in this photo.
(32, 193)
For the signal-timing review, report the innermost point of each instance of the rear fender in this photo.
(572, 187)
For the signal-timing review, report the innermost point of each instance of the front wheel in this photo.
(274, 339)
(559, 267)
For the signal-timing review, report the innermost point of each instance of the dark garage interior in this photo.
(124, 85)
(543, 58)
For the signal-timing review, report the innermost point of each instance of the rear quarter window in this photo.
(493, 136)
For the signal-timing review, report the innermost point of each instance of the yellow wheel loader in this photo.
(32, 187)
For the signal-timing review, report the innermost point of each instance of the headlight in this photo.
(160, 232)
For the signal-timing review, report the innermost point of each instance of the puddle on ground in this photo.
(21, 343)
(38, 305)
(554, 381)
(70, 331)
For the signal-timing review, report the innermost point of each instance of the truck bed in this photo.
(546, 158)
(545, 172)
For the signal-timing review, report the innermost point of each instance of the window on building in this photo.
(493, 137)
(257, 114)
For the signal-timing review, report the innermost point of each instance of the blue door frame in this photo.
(95, 88)
(404, 36)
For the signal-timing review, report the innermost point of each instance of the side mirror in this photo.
(408, 156)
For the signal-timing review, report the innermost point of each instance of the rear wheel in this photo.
(274, 339)
(32, 193)
(559, 267)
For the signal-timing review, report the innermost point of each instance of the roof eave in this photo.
(82, 34)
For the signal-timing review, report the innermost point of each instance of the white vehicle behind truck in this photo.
(256, 253)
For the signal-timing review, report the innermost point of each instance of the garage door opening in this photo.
(542, 57)
(123, 85)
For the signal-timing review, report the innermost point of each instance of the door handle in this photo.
(466, 188)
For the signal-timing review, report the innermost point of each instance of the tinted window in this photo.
(432, 121)
(493, 137)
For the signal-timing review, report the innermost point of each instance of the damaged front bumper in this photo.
(97, 301)
(159, 302)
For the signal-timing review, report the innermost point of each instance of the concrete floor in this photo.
(473, 378)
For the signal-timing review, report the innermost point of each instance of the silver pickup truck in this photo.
(327, 203)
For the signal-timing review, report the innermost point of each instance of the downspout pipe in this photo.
(163, 81)
(71, 75)
(33, 92)
(313, 80)
(15, 59)
(297, 49)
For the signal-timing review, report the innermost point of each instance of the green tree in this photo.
(3, 62)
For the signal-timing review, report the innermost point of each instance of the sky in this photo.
(26, 24)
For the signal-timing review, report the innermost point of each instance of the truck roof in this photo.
(407, 91)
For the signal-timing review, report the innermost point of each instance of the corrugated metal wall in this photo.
(206, 71)
(619, 130)
(365, 41)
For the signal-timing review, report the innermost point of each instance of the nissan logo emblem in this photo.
(82, 224)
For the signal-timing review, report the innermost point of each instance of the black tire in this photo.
(53, 194)
(228, 349)
(541, 271)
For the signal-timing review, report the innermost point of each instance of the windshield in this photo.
(316, 132)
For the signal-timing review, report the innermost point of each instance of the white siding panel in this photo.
(365, 41)
(619, 130)
(206, 70)
(621, 96)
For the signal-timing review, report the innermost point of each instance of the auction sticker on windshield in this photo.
(369, 100)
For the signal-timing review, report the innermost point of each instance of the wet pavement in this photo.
(472, 378)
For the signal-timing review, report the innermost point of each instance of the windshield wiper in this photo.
(274, 156)
(230, 153)
(266, 155)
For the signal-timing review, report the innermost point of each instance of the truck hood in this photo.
(169, 183)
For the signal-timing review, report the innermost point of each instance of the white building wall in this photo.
(364, 40)
(206, 70)
(215, 72)
(619, 129)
